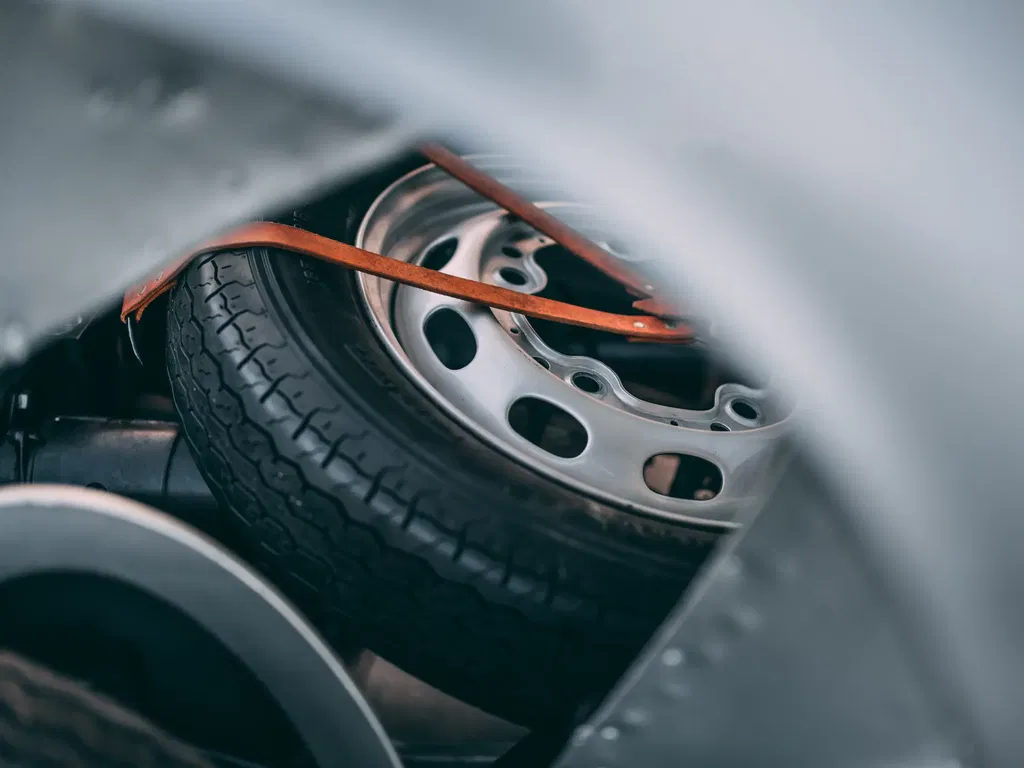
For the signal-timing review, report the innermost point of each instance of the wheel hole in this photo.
(718, 427)
(512, 276)
(451, 338)
(543, 363)
(744, 410)
(549, 427)
(682, 476)
(586, 382)
(512, 253)
(439, 254)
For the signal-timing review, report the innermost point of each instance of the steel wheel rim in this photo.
(425, 208)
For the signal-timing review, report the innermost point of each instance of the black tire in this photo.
(384, 520)
(47, 720)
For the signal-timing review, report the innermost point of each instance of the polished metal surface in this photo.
(59, 528)
(427, 208)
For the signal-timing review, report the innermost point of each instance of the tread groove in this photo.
(274, 385)
(230, 321)
(304, 423)
(251, 354)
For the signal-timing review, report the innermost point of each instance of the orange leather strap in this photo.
(536, 217)
(266, 234)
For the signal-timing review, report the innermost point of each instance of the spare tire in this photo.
(384, 519)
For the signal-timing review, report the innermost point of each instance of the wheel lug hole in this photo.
(744, 411)
(513, 276)
(586, 383)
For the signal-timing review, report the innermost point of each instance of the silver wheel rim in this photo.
(427, 207)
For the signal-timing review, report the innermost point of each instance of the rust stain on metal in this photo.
(266, 234)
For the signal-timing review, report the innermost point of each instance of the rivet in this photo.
(675, 689)
(714, 650)
(187, 107)
(637, 324)
(635, 717)
(609, 733)
(672, 657)
(745, 617)
(13, 343)
(581, 734)
(100, 104)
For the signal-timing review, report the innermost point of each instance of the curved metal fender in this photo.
(50, 528)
